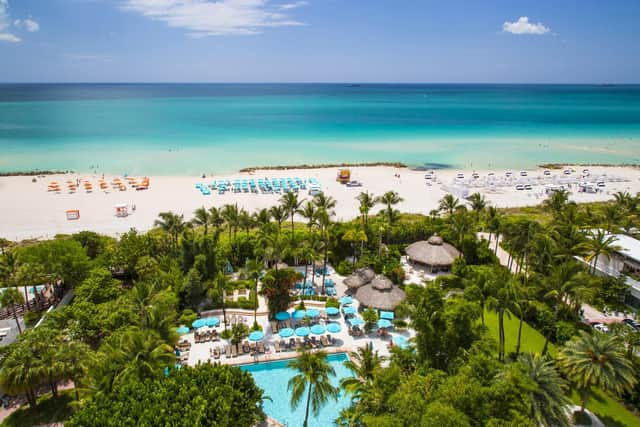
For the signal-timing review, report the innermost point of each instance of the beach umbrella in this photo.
(356, 321)
(282, 315)
(332, 311)
(387, 315)
(256, 336)
(312, 312)
(182, 330)
(334, 328)
(299, 314)
(303, 331)
(346, 300)
(400, 341)
(318, 329)
(285, 332)
(384, 323)
(349, 310)
(212, 321)
(198, 323)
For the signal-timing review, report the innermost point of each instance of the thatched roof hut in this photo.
(380, 294)
(359, 278)
(434, 253)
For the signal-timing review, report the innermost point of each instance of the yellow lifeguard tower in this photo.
(344, 176)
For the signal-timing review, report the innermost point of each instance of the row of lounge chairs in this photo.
(240, 349)
(206, 336)
(233, 320)
(297, 343)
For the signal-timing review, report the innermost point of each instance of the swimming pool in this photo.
(273, 377)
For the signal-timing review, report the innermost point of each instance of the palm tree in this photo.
(262, 217)
(230, 215)
(245, 221)
(494, 221)
(557, 201)
(367, 202)
(309, 211)
(548, 399)
(9, 299)
(279, 215)
(291, 204)
(326, 203)
(19, 373)
(449, 204)
(172, 224)
(29, 275)
(364, 364)
(323, 222)
(201, 218)
(218, 292)
(253, 270)
(313, 376)
(599, 243)
(478, 203)
(503, 299)
(390, 199)
(74, 358)
(596, 360)
(215, 218)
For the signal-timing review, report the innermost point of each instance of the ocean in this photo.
(184, 129)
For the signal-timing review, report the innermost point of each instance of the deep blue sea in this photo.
(194, 128)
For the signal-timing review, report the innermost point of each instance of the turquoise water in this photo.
(190, 129)
(273, 377)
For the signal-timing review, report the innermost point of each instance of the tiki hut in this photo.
(359, 278)
(435, 254)
(380, 294)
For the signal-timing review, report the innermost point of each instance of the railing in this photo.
(36, 304)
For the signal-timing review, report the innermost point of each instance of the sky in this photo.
(439, 41)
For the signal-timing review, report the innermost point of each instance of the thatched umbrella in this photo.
(380, 294)
(359, 278)
(433, 252)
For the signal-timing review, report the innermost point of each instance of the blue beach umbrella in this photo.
(303, 331)
(318, 329)
(212, 321)
(387, 315)
(256, 336)
(299, 314)
(356, 321)
(282, 315)
(349, 310)
(334, 328)
(332, 311)
(346, 300)
(400, 341)
(285, 332)
(182, 330)
(312, 312)
(198, 323)
(384, 323)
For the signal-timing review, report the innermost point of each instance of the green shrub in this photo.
(400, 324)
(332, 302)
(226, 334)
(187, 317)
(345, 268)
(31, 318)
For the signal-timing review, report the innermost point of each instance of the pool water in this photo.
(273, 377)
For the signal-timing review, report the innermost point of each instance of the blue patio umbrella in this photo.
(198, 323)
(299, 314)
(318, 329)
(303, 331)
(212, 321)
(346, 300)
(387, 315)
(282, 315)
(356, 321)
(312, 312)
(285, 332)
(332, 311)
(256, 336)
(182, 330)
(384, 323)
(334, 328)
(349, 310)
(400, 341)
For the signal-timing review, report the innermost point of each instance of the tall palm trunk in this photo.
(306, 414)
(501, 335)
(324, 264)
(519, 335)
(255, 306)
(595, 263)
(15, 316)
(292, 228)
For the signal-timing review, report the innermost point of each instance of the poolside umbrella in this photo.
(282, 315)
(384, 323)
(285, 332)
(349, 310)
(182, 330)
(387, 315)
(212, 321)
(400, 341)
(199, 323)
(346, 300)
(299, 314)
(256, 336)
(318, 329)
(303, 331)
(356, 321)
(312, 312)
(332, 311)
(334, 328)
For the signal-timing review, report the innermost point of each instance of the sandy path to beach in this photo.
(27, 210)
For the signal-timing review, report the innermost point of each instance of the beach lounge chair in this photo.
(274, 327)
(234, 350)
(260, 347)
(246, 349)
(283, 345)
(276, 346)
(292, 343)
(216, 353)
(323, 341)
(253, 348)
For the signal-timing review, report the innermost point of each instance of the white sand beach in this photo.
(29, 211)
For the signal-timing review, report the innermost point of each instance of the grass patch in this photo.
(611, 412)
(48, 410)
(532, 341)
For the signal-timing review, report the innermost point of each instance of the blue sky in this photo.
(510, 41)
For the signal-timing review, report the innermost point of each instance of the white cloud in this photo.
(294, 5)
(5, 23)
(28, 24)
(213, 18)
(523, 26)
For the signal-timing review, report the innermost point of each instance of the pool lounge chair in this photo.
(234, 350)
(227, 351)
(260, 347)
(276, 346)
(246, 349)
(324, 341)
(274, 327)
